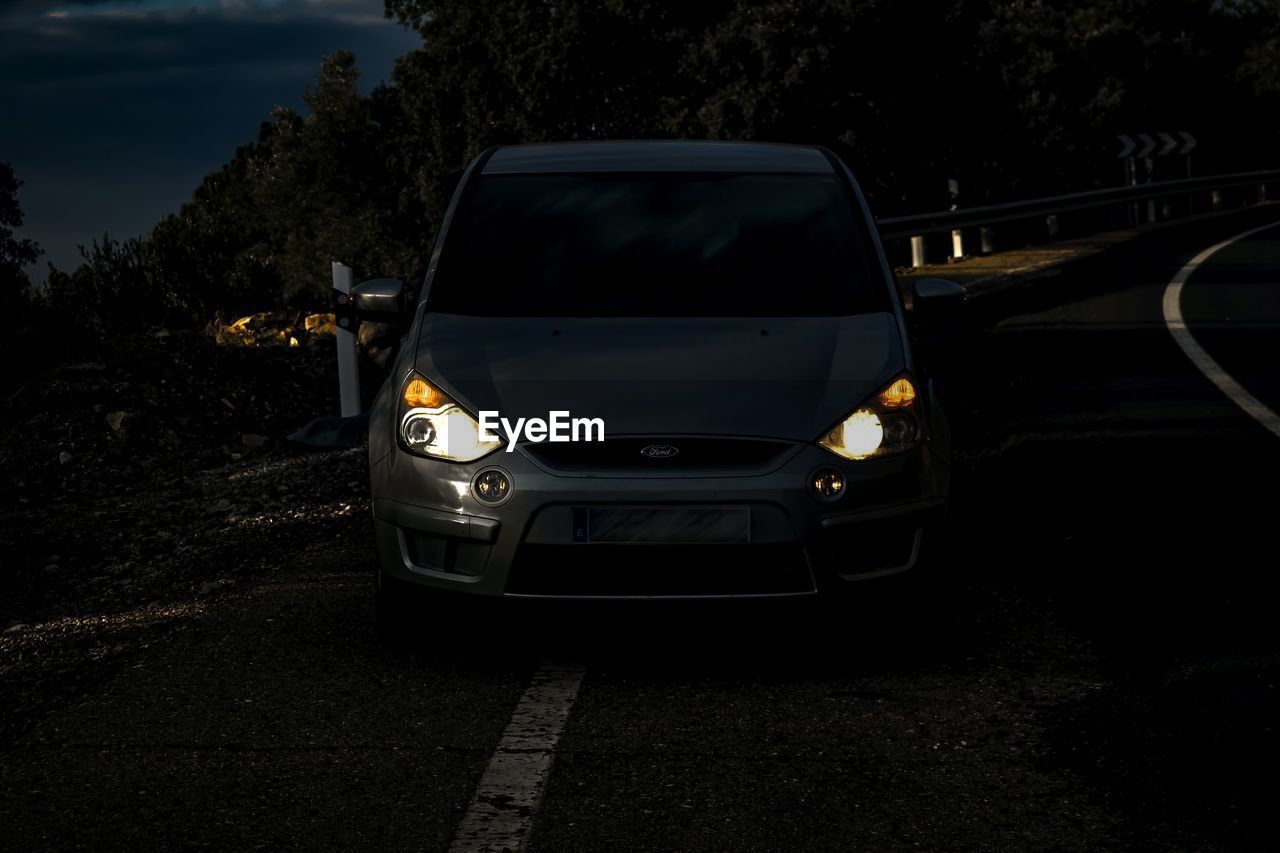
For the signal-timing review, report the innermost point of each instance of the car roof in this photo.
(657, 156)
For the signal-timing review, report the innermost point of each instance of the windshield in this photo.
(649, 244)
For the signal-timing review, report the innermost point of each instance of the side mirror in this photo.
(933, 296)
(379, 300)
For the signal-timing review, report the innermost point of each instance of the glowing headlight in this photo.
(857, 436)
(432, 424)
(886, 424)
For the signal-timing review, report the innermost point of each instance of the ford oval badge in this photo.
(659, 451)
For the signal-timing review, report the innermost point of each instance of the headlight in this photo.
(433, 425)
(887, 423)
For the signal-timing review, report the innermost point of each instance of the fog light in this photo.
(492, 486)
(827, 483)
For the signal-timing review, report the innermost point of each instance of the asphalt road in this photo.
(1095, 667)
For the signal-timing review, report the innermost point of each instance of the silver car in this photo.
(655, 369)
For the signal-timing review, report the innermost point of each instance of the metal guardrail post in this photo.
(987, 239)
(957, 244)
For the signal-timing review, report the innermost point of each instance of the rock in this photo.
(64, 457)
(249, 439)
(119, 423)
(220, 505)
(84, 367)
(237, 332)
(15, 627)
(254, 330)
(320, 324)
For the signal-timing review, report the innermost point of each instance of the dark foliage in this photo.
(14, 254)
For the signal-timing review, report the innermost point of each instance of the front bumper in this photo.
(430, 530)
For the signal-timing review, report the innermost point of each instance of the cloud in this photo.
(364, 10)
(113, 112)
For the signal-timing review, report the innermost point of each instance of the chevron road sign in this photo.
(1155, 145)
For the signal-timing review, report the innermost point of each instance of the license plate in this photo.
(673, 525)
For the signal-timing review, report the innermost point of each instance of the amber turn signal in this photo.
(419, 394)
(899, 394)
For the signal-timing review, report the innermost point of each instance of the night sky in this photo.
(111, 112)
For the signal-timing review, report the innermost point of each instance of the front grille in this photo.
(660, 570)
(628, 453)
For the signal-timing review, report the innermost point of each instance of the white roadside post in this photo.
(348, 356)
(917, 252)
(957, 236)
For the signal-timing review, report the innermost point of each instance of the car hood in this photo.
(790, 377)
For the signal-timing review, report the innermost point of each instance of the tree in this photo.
(15, 254)
(328, 187)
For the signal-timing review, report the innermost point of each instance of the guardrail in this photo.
(917, 226)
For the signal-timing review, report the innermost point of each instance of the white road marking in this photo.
(1201, 359)
(501, 813)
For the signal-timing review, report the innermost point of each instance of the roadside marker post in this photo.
(348, 355)
(347, 430)
(957, 235)
(917, 252)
